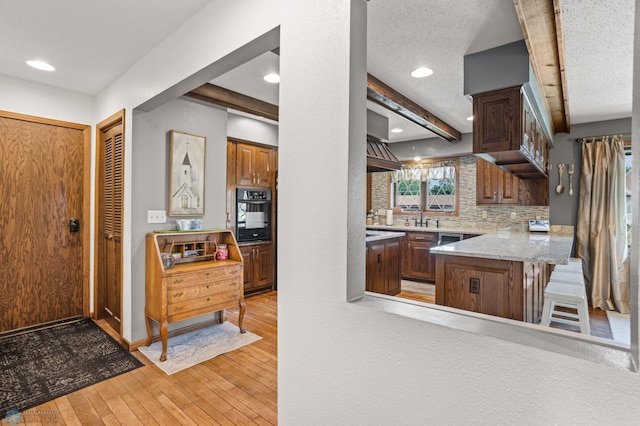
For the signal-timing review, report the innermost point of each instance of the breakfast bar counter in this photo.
(524, 247)
(501, 274)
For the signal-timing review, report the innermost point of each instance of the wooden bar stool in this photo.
(567, 295)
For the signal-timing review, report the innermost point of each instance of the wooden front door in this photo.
(109, 208)
(43, 271)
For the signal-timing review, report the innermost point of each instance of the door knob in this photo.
(74, 224)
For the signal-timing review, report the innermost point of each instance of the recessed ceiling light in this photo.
(272, 78)
(41, 65)
(421, 72)
(396, 130)
(416, 158)
(470, 118)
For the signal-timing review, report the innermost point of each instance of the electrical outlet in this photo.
(484, 214)
(474, 285)
(513, 215)
(156, 216)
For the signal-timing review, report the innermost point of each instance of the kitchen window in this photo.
(430, 186)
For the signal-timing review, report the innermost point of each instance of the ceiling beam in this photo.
(541, 24)
(383, 95)
(230, 99)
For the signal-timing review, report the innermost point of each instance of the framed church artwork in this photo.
(186, 174)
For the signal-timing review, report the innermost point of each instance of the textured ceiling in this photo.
(91, 43)
(598, 38)
(91, 53)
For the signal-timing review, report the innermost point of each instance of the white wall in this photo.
(340, 363)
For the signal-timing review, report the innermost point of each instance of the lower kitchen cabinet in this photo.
(418, 262)
(259, 266)
(383, 266)
(504, 288)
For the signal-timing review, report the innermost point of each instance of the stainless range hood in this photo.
(379, 157)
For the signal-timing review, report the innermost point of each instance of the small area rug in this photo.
(194, 347)
(46, 363)
(620, 325)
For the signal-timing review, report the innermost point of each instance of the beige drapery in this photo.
(601, 233)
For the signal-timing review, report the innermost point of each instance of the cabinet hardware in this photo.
(178, 294)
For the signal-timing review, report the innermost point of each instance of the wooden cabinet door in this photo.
(486, 182)
(392, 267)
(263, 168)
(420, 263)
(496, 124)
(247, 257)
(494, 185)
(376, 267)
(254, 165)
(263, 274)
(508, 185)
(490, 295)
(244, 165)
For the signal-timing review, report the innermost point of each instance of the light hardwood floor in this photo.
(235, 388)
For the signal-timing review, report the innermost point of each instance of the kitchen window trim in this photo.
(425, 211)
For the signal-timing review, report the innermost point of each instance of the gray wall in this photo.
(377, 125)
(241, 127)
(150, 147)
(563, 208)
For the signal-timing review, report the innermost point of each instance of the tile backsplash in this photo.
(470, 215)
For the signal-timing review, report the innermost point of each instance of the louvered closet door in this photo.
(110, 272)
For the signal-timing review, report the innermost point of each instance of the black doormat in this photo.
(41, 365)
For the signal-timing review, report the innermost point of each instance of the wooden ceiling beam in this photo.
(384, 95)
(230, 99)
(541, 24)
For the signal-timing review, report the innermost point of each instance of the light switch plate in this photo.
(484, 214)
(156, 216)
(513, 215)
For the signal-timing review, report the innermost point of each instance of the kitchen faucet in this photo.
(424, 223)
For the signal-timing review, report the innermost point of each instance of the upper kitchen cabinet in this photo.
(507, 132)
(255, 165)
(495, 186)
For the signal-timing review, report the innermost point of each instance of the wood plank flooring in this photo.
(235, 388)
(598, 321)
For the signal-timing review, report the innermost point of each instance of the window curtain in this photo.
(601, 233)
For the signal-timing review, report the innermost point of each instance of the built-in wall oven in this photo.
(253, 214)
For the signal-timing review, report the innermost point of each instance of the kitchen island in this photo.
(502, 274)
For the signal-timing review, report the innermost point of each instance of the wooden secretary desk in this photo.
(197, 284)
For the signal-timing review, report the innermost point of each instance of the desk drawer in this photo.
(227, 299)
(206, 289)
(198, 278)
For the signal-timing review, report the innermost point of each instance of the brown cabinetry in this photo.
(259, 266)
(383, 266)
(495, 186)
(508, 289)
(418, 262)
(254, 165)
(197, 284)
(507, 132)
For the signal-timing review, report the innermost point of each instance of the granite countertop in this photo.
(523, 247)
(382, 235)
